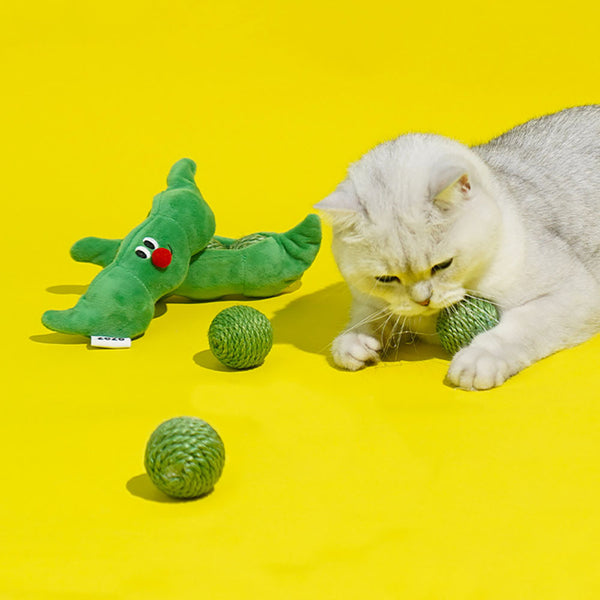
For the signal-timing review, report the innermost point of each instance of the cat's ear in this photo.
(343, 200)
(453, 189)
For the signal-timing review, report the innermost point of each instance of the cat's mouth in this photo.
(430, 310)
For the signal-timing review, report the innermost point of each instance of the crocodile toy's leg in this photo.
(99, 251)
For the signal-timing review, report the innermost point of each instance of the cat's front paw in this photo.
(476, 368)
(352, 351)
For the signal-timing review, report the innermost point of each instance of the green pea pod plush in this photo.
(258, 265)
(149, 263)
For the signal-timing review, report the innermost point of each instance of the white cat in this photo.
(423, 221)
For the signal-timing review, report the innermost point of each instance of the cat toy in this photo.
(174, 252)
(240, 337)
(184, 457)
(457, 325)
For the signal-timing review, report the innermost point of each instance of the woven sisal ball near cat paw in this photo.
(458, 324)
(240, 337)
(184, 457)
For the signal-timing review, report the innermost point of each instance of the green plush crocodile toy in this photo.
(173, 251)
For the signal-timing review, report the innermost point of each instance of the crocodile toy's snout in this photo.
(162, 258)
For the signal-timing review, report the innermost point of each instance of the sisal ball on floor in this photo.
(184, 457)
(458, 324)
(240, 337)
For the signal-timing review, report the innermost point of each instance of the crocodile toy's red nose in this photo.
(161, 258)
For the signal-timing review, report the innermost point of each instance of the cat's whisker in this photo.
(391, 339)
(383, 323)
(373, 317)
(475, 294)
(383, 340)
(368, 319)
(397, 332)
(471, 301)
(402, 331)
(422, 334)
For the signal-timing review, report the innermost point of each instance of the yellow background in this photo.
(381, 484)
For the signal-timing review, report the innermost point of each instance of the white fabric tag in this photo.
(105, 341)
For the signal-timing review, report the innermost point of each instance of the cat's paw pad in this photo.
(352, 351)
(476, 368)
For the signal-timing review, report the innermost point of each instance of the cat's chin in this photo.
(418, 312)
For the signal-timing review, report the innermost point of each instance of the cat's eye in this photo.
(441, 266)
(387, 278)
(150, 243)
(142, 252)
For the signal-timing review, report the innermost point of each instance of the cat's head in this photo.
(414, 223)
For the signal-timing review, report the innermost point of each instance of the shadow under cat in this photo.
(309, 323)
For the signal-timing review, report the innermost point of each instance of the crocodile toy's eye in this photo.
(150, 243)
(142, 252)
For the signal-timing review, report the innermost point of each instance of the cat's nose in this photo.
(421, 293)
(161, 258)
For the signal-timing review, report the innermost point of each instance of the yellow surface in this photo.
(382, 484)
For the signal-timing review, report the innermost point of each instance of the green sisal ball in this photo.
(184, 457)
(458, 324)
(240, 337)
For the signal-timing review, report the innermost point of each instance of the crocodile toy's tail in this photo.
(303, 241)
(264, 268)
